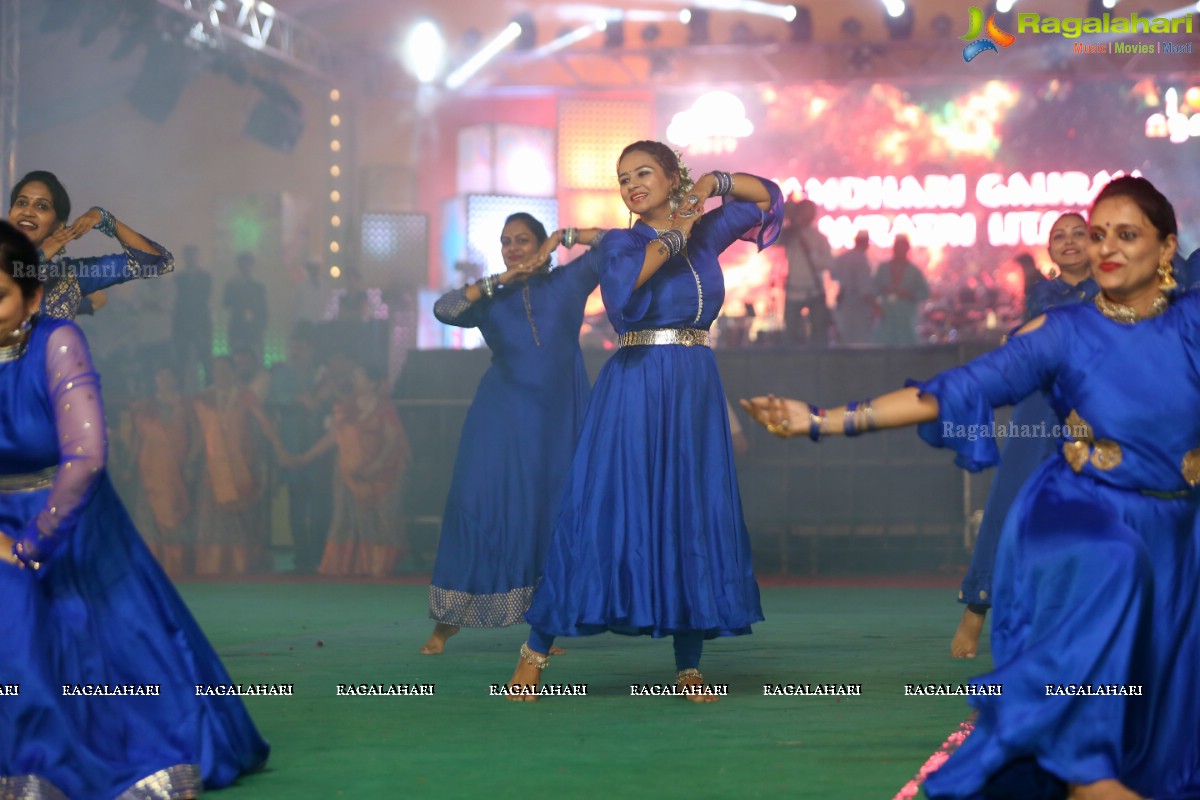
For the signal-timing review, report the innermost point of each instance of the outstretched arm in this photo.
(785, 417)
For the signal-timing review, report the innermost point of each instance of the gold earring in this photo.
(1166, 275)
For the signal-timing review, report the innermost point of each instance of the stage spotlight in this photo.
(527, 39)
(801, 25)
(651, 32)
(1098, 8)
(486, 54)
(277, 120)
(898, 19)
(424, 51)
(1004, 6)
(614, 32)
(942, 26)
(697, 21)
(851, 28)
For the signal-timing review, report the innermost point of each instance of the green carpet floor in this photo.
(463, 743)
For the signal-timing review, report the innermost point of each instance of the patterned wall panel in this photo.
(394, 246)
(592, 133)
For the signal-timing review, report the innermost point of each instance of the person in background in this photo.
(520, 430)
(1068, 247)
(297, 399)
(367, 534)
(809, 257)
(900, 288)
(191, 321)
(856, 293)
(230, 535)
(1032, 279)
(162, 442)
(245, 300)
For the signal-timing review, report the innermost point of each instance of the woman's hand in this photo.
(55, 242)
(79, 228)
(781, 416)
(693, 201)
(535, 262)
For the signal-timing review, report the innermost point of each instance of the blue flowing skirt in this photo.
(1095, 586)
(102, 612)
(650, 537)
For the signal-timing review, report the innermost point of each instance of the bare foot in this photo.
(555, 650)
(437, 640)
(1103, 790)
(696, 680)
(526, 677)
(966, 639)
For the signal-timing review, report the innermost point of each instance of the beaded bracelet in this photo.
(849, 420)
(869, 414)
(569, 237)
(724, 183)
(107, 225)
(816, 419)
(672, 239)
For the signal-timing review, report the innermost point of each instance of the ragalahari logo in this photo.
(996, 36)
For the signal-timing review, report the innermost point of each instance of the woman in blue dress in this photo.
(1068, 248)
(1096, 632)
(105, 654)
(650, 538)
(40, 207)
(520, 431)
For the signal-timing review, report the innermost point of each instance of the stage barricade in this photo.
(882, 503)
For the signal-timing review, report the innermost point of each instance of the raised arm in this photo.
(74, 389)
(142, 258)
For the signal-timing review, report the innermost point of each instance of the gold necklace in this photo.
(1119, 312)
(529, 314)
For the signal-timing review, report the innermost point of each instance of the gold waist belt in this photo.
(28, 482)
(684, 336)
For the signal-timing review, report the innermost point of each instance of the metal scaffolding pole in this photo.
(260, 27)
(9, 63)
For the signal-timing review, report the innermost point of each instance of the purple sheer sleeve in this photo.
(83, 445)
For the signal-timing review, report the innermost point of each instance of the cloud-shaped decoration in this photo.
(714, 115)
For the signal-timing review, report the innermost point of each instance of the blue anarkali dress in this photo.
(99, 616)
(1022, 454)
(650, 538)
(516, 444)
(1097, 579)
(68, 281)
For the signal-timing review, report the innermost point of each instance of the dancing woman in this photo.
(1098, 564)
(650, 538)
(40, 207)
(1068, 248)
(520, 431)
(86, 604)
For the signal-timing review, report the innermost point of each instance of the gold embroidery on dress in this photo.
(1191, 467)
(181, 780)
(1103, 454)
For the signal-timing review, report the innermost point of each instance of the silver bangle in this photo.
(569, 237)
(674, 240)
(724, 183)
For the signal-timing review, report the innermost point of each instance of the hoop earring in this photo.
(21, 329)
(1166, 276)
